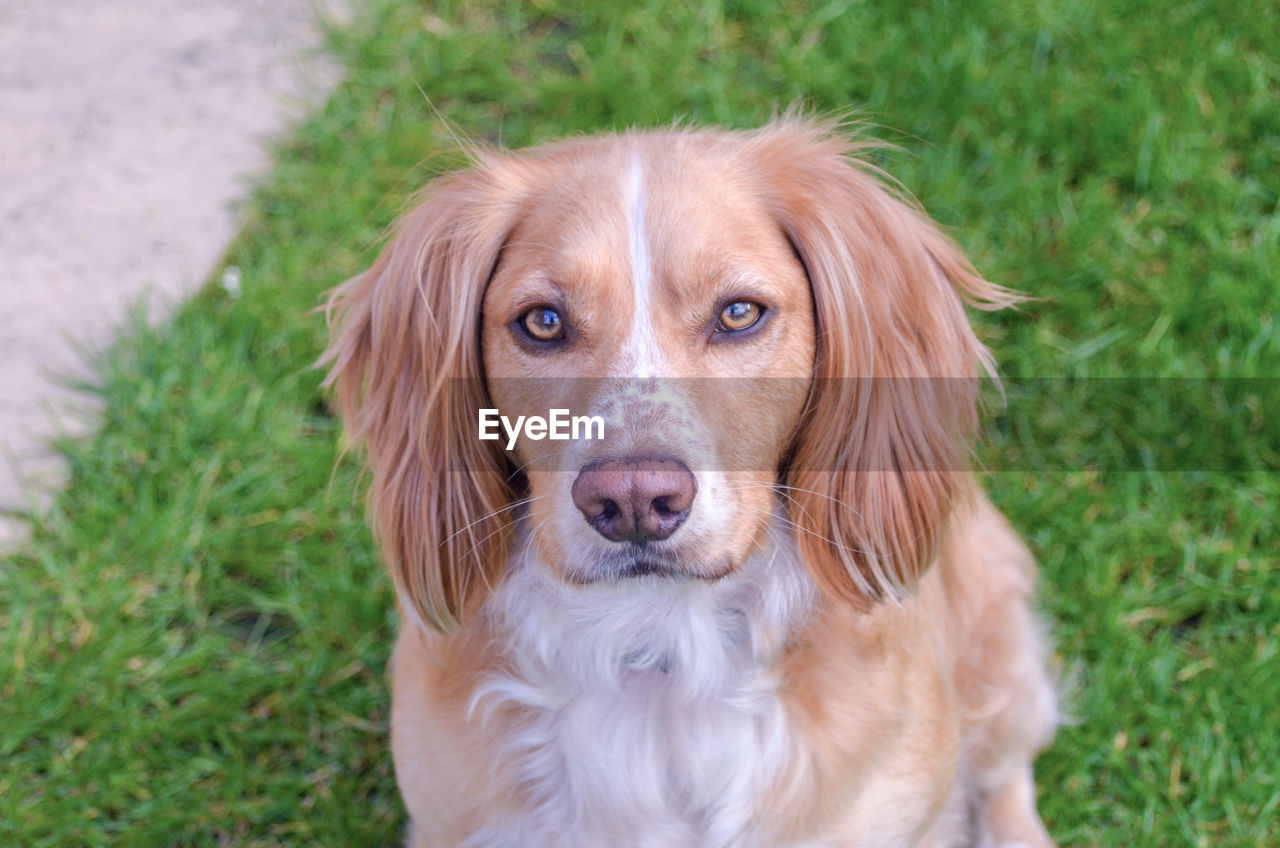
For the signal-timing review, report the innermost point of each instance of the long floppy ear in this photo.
(880, 453)
(404, 359)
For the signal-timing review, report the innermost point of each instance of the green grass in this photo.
(191, 648)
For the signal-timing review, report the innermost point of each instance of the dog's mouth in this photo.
(646, 568)
(618, 566)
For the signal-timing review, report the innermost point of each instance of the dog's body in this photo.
(735, 713)
(820, 635)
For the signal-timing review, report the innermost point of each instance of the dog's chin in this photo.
(619, 566)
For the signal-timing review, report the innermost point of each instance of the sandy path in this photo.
(129, 130)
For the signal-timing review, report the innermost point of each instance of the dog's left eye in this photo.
(543, 324)
(739, 315)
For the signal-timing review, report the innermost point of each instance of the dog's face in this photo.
(774, 342)
(661, 294)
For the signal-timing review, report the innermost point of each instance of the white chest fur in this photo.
(651, 707)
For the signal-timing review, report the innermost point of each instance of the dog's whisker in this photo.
(524, 466)
(495, 531)
(785, 489)
(516, 504)
(790, 499)
(800, 528)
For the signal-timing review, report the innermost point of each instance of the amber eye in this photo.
(543, 324)
(740, 315)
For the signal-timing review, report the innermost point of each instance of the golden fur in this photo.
(895, 696)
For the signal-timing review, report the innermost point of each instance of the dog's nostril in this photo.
(637, 500)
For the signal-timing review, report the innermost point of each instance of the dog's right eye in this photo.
(543, 324)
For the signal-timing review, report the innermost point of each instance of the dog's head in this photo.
(768, 337)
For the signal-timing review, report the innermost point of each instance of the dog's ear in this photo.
(880, 452)
(404, 359)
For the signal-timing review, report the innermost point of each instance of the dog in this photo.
(771, 607)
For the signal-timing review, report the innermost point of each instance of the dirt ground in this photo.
(129, 131)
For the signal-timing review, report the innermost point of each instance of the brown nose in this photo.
(635, 500)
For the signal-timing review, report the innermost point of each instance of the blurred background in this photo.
(192, 639)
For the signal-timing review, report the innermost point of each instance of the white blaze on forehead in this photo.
(642, 347)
